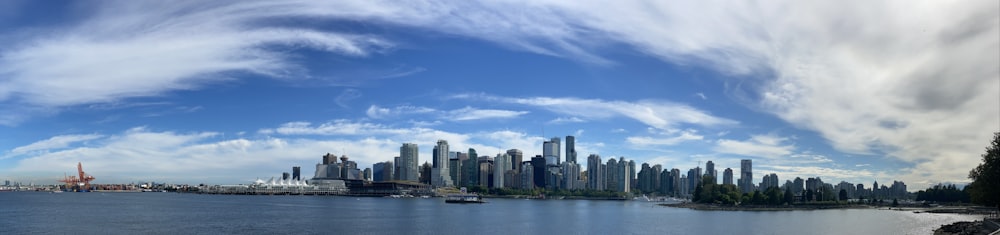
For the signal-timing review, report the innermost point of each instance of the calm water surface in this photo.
(171, 213)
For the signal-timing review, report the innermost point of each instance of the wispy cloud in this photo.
(768, 146)
(54, 143)
(666, 139)
(564, 120)
(463, 114)
(655, 113)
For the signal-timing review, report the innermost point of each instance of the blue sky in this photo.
(225, 92)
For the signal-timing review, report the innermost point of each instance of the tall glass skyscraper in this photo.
(440, 176)
(746, 176)
(550, 150)
(570, 149)
(409, 166)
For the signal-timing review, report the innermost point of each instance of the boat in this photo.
(463, 198)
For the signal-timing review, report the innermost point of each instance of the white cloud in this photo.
(655, 113)
(767, 146)
(666, 139)
(56, 142)
(469, 113)
(377, 112)
(701, 95)
(564, 120)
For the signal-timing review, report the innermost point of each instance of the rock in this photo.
(963, 228)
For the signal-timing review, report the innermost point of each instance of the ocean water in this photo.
(173, 213)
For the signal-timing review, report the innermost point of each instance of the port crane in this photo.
(81, 182)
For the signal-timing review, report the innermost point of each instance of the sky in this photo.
(225, 92)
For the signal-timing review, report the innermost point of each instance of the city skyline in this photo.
(225, 92)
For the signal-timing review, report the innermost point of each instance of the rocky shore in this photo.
(965, 228)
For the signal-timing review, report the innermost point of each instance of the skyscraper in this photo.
(440, 176)
(382, 171)
(595, 173)
(550, 149)
(727, 176)
(501, 164)
(470, 169)
(409, 165)
(710, 171)
(570, 149)
(516, 157)
(297, 173)
(746, 176)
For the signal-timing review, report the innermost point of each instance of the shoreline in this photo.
(716, 207)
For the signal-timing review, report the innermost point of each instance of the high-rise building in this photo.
(455, 167)
(440, 176)
(678, 189)
(284, 175)
(768, 181)
(367, 174)
(470, 169)
(516, 157)
(710, 171)
(612, 182)
(395, 168)
(501, 164)
(746, 176)
(570, 175)
(486, 172)
(571, 149)
(382, 171)
(595, 173)
(666, 183)
(538, 165)
(527, 176)
(550, 149)
(297, 173)
(630, 174)
(798, 185)
(425, 173)
(409, 165)
(727, 176)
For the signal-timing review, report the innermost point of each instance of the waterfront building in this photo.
(797, 186)
(550, 150)
(409, 166)
(746, 176)
(595, 173)
(571, 149)
(455, 166)
(527, 176)
(553, 177)
(666, 183)
(570, 175)
(486, 172)
(769, 181)
(425, 173)
(538, 165)
(297, 173)
(710, 171)
(646, 178)
(382, 171)
(612, 175)
(440, 176)
(367, 174)
(501, 164)
(395, 168)
(470, 169)
(727, 176)
(516, 158)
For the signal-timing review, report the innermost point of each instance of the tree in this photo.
(985, 186)
(809, 195)
(843, 194)
(789, 197)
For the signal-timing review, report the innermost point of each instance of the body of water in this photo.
(172, 213)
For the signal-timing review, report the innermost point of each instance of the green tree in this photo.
(843, 194)
(985, 186)
(809, 195)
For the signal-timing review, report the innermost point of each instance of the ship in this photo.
(463, 198)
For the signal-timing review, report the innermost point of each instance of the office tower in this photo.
(646, 178)
(666, 183)
(470, 169)
(656, 177)
(710, 171)
(727, 176)
(486, 172)
(692, 180)
(455, 166)
(612, 182)
(409, 166)
(501, 164)
(550, 149)
(570, 174)
(516, 157)
(425, 173)
(527, 176)
(595, 175)
(631, 174)
(395, 168)
(538, 165)
(746, 176)
(297, 173)
(367, 174)
(626, 176)
(382, 171)
(677, 187)
(571, 149)
(440, 176)
(284, 175)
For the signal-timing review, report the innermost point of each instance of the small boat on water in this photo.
(463, 198)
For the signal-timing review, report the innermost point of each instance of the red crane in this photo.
(81, 182)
